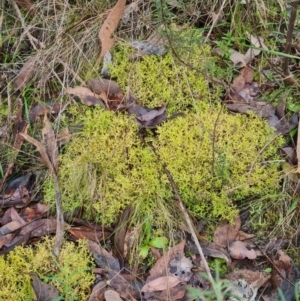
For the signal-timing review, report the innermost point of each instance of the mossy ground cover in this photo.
(217, 159)
(70, 273)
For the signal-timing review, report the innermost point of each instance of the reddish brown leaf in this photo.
(108, 27)
(160, 284)
(25, 4)
(226, 233)
(85, 232)
(122, 286)
(238, 83)
(40, 110)
(98, 291)
(26, 73)
(34, 212)
(39, 228)
(243, 236)
(247, 73)
(6, 239)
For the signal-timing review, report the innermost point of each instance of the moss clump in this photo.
(70, 274)
(216, 159)
(156, 80)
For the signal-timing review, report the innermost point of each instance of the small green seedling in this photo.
(159, 242)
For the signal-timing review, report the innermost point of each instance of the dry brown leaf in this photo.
(40, 147)
(25, 4)
(247, 73)
(98, 291)
(160, 284)
(108, 27)
(49, 141)
(239, 250)
(226, 233)
(243, 236)
(238, 83)
(43, 291)
(85, 232)
(161, 266)
(25, 74)
(111, 295)
(85, 95)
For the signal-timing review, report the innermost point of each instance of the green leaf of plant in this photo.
(159, 242)
(293, 206)
(268, 270)
(147, 230)
(144, 251)
(293, 132)
(294, 107)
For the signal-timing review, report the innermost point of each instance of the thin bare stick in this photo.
(186, 215)
(189, 223)
(215, 21)
(289, 78)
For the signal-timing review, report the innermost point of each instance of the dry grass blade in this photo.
(50, 143)
(298, 149)
(109, 26)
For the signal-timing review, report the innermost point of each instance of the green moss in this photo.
(217, 160)
(156, 80)
(70, 274)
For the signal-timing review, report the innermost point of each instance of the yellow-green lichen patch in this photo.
(70, 273)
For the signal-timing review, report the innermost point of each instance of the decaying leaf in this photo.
(160, 284)
(26, 73)
(85, 95)
(111, 295)
(103, 258)
(42, 109)
(39, 228)
(108, 27)
(209, 249)
(226, 233)
(239, 250)
(122, 286)
(85, 232)
(98, 291)
(161, 266)
(43, 291)
(25, 4)
(180, 268)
